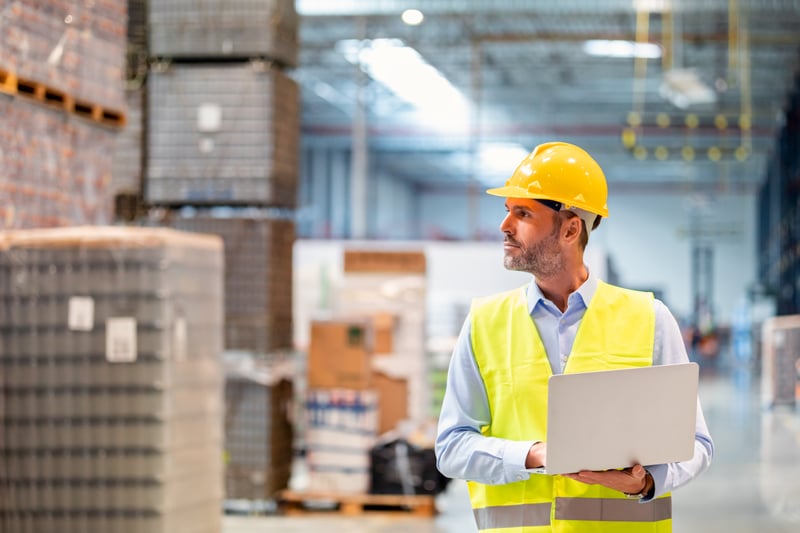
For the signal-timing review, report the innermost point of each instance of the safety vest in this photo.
(616, 331)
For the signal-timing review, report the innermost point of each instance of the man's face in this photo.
(531, 238)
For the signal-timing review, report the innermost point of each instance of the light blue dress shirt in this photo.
(463, 453)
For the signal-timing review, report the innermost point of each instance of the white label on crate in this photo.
(180, 334)
(81, 313)
(209, 118)
(206, 145)
(121, 340)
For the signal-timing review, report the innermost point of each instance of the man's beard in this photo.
(543, 259)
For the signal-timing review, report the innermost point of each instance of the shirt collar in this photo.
(583, 295)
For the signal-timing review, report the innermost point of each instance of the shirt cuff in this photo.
(659, 473)
(514, 457)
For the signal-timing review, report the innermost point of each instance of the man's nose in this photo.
(506, 226)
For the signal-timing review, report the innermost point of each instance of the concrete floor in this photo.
(753, 484)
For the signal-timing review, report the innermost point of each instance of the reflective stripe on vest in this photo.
(501, 516)
(613, 510)
(616, 331)
(596, 509)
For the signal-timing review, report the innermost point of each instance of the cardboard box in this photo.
(383, 330)
(384, 261)
(339, 355)
(392, 401)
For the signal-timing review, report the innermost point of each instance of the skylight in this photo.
(606, 48)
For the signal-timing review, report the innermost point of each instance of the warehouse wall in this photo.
(393, 208)
(324, 198)
(648, 238)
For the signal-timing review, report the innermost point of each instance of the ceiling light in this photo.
(653, 6)
(406, 73)
(497, 160)
(684, 88)
(412, 17)
(605, 48)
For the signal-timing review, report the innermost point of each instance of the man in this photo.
(492, 424)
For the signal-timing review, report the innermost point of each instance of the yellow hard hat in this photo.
(559, 172)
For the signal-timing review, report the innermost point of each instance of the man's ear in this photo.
(572, 228)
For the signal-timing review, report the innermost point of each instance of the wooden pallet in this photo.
(294, 503)
(42, 93)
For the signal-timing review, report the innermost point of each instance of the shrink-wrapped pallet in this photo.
(56, 168)
(73, 46)
(111, 380)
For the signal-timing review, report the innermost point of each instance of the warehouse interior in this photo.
(239, 239)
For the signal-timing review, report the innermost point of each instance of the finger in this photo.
(589, 476)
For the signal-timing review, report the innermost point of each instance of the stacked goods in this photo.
(56, 169)
(232, 28)
(342, 420)
(73, 46)
(780, 375)
(137, 25)
(340, 432)
(372, 349)
(258, 279)
(111, 381)
(222, 128)
(389, 287)
(258, 434)
(126, 176)
(223, 134)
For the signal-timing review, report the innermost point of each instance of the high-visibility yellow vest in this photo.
(616, 331)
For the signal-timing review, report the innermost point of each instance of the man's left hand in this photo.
(630, 480)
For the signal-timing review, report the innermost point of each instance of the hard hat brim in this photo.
(512, 191)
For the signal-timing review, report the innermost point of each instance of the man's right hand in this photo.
(536, 455)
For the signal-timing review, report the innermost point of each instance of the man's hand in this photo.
(536, 455)
(630, 480)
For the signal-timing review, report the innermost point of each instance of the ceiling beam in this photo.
(388, 7)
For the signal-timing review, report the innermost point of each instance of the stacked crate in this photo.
(222, 135)
(258, 263)
(126, 172)
(128, 154)
(222, 126)
(222, 116)
(258, 326)
(182, 29)
(261, 445)
(111, 381)
(62, 68)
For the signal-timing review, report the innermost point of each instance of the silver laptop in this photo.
(617, 418)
